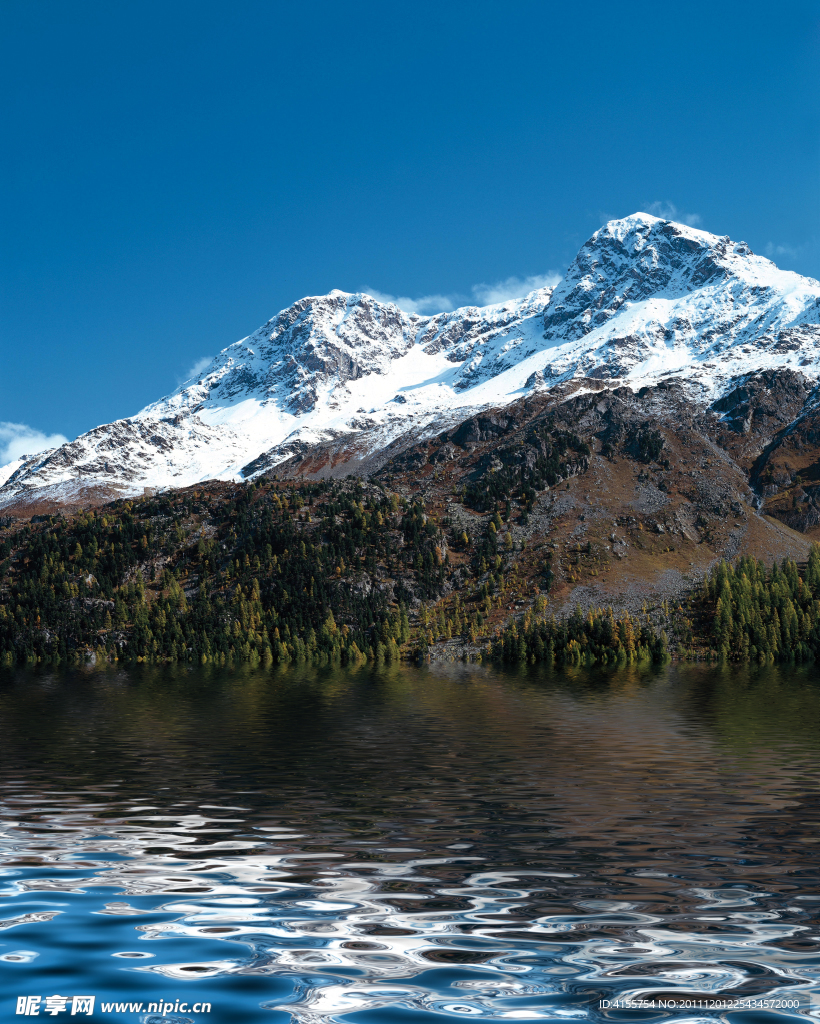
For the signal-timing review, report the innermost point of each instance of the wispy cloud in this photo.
(789, 251)
(483, 294)
(513, 288)
(668, 211)
(18, 439)
(197, 368)
(425, 305)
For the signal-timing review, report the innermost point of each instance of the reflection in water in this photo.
(403, 844)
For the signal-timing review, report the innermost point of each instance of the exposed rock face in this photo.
(644, 291)
(635, 259)
(608, 496)
(764, 403)
(342, 383)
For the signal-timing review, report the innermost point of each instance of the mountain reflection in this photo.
(457, 841)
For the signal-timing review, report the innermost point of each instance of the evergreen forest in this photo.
(272, 572)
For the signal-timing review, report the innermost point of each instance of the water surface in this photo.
(410, 845)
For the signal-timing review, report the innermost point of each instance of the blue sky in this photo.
(175, 173)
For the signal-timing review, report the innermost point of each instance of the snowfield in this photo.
(645, 299)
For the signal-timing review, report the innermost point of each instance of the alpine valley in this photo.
(616, 435)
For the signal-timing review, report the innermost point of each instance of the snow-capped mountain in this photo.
(644, 299)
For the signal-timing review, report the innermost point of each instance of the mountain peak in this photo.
(639, 230)
(620, 227)
(645, 298)
(633, 258)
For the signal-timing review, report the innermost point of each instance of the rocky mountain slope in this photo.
(342, 383)
(463, 545)
(622, 497)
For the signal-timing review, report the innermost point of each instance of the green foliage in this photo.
(547, 456)
(260, 574)
(765, 616)
(647, 442)
(597, 638)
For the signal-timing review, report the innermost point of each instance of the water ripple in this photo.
(453, 846)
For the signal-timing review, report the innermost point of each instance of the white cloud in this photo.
(483, 294)
(513, 288)
(427, 305)
(668, 211)
(197, 368)
(17, 439)
(771, 250)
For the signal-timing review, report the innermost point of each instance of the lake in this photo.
(406, 844)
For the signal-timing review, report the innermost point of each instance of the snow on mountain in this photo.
(644, 299)
(10, 469)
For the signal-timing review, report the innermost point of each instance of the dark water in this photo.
(408, 845)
